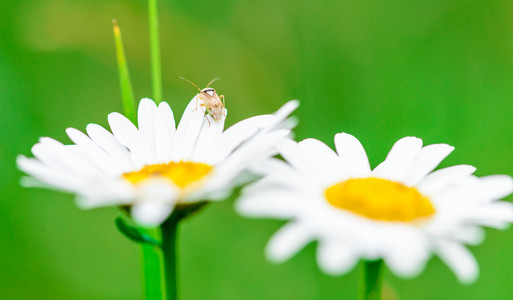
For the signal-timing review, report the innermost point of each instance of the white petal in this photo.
(313, 160)
(237, 134)
(479, 191)
(281, 115)
(269, 202)
(32, 182)
(118, 153)
(459, 259)
(105, 193)
(59, 156)
(49, 176)
(188, 130)
(270, 166)
(209, 134)
(253, 151)
(258, 122)
(292, 154)
(215, 195)
(400, 159)
(43, 152)
(126, 133)
(472, 235)
(123, 129)
(497, 215)
(234, 136)
(444, 178)
(322, 158)
(164, 132)
(287, 242)
(93, 152)
(151, 213)
(429, 158)
(289, 123)
(407, 258)
(335, 258)
(146, 116)
(156, 199)
(287, 109)
(496, 186)
(352, 154)
(97, 192)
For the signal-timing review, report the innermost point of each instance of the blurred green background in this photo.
(441, 70)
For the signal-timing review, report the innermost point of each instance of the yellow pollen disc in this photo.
(180, 173)
(380, 199)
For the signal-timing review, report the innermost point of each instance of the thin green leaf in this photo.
(133, 233)
(156, 73)
(127, 94)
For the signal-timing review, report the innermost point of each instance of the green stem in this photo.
(151, 269)
(156, 74)
(169, 230)
(372, 280)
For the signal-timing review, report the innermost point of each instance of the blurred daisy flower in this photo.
(401, 212)
(156, 167)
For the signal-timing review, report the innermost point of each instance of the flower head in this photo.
(157, 166)
(401, 212)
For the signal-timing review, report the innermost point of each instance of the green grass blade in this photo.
(156, 73)
(150, 255)
(127, 94)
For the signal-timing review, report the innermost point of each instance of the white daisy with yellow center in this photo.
(401, 212)
(156, 166)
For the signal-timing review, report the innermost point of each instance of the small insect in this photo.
(211, 101)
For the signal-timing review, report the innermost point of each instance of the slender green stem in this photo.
(169, 230)
(151, 268)
(372, 280)
(156, 74)
(127, 94)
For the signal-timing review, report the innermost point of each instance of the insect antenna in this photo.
(190, 83)
(212, 81)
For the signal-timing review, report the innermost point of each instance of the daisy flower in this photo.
(157, 166)
(400, 212)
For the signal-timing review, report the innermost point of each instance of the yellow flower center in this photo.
(380, 199)
(180, 173)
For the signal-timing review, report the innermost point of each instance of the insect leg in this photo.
(207, 113)
(224, 105)
(197, 100)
